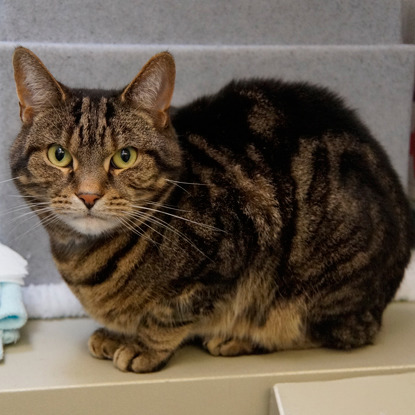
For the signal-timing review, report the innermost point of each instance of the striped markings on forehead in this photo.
(92, 118)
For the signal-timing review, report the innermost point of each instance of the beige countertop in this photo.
(378, 395)
(51, 372)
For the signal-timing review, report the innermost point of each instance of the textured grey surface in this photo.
(103, 44)
(377, 81)
(202, 21)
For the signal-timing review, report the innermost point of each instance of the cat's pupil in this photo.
(59, 153)
(125, 155)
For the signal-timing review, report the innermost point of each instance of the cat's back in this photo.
(301, 137)
(299, 149)
(266, 111)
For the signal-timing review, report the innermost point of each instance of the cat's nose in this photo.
(89, 199)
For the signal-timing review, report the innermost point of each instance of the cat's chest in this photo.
(92, 262)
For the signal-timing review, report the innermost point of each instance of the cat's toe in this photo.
(131, 358)
(228, 347)
(124, 356)
(102, 344)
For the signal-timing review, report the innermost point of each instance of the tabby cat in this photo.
(262, 218)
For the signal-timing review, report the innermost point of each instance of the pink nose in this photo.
(89, 199)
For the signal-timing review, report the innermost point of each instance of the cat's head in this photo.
(86, 159)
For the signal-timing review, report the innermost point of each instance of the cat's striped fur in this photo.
(262, 218)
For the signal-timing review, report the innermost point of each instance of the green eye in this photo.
(124, 158)
(58, 156)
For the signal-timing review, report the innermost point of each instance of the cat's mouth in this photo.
(90, 224)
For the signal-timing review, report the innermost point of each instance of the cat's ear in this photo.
(152, 89)
(36, 88)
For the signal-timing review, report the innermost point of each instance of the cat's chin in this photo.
(91, 226)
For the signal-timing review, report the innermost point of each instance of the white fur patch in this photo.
(90, 225)
(92, 222)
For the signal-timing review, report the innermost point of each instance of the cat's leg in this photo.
(346, 331)
(148, 352)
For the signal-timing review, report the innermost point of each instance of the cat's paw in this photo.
(218, 346)
(102, 344)
(133, 358)
(126, 355)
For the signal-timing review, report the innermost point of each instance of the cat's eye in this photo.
(59, 156)
(124, 158)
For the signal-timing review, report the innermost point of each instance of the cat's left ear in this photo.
(152, 89)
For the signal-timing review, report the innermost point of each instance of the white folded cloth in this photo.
(13, 315)
(13, 267)
(51, 301)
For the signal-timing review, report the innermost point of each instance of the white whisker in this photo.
(133, 228)
(32, 213)
(24, 206)
(166, 225)
(180, 217)
(9, 180)
(191, 183)
(180, 187)
(23, 196)
(153, 220)
(42, 222)
(164, 206)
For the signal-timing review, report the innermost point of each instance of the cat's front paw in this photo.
(127, 355)
(102, 344)
(133, 358)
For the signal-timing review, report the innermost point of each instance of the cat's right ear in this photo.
(36, 88)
